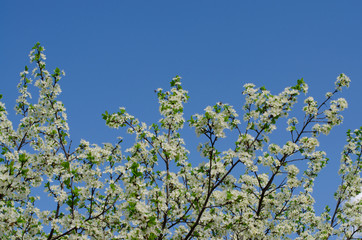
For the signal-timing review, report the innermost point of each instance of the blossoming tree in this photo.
(152, 190)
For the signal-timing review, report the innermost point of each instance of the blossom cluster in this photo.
(157, 189)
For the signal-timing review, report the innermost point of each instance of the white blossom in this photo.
(154, 190)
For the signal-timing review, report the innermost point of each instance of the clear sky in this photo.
(116, 53)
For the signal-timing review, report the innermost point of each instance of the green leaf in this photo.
(229, 195)
(66, 165)
(20, 220)
(67, 183)
(24, 171)
(22, 158)
(11, 167)
(32, 199)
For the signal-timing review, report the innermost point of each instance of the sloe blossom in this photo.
(155, 189)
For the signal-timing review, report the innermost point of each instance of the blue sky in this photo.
(116, 53)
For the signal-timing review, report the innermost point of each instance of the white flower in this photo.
(342, 81)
